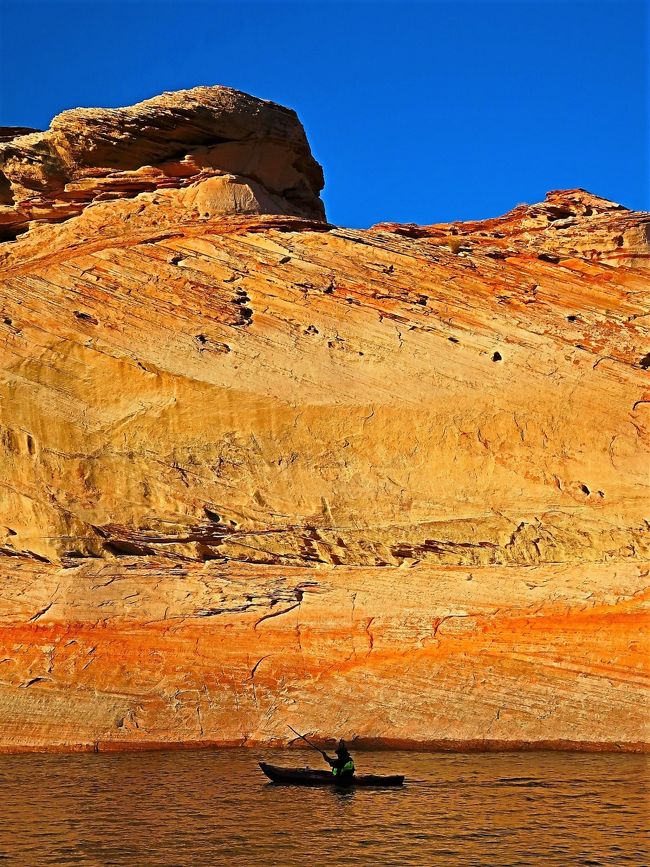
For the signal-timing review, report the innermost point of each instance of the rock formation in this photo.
(388, 484)
(194, 153)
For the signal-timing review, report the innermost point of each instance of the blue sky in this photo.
(419, 111)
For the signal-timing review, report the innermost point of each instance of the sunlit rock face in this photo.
(388, 484)
(193, 153)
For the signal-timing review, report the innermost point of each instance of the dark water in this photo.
(212, 808)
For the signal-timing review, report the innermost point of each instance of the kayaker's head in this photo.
(342, 750)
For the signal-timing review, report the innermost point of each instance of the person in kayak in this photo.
(343, 765)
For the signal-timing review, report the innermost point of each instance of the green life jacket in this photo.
(348, 766)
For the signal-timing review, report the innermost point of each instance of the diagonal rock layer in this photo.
(388, 484)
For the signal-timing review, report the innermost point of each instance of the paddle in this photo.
(313, 746)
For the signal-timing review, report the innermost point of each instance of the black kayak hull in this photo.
(309, 777)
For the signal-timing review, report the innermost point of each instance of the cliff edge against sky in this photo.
(388, 484)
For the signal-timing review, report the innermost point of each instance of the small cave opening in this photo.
(497, 357)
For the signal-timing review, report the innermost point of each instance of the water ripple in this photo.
(189, 809)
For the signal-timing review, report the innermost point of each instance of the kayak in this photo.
(309, 777)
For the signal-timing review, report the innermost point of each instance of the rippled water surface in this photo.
(211, 808)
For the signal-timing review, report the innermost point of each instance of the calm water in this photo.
(212, 808)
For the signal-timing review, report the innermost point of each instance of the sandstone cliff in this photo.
(387, 484)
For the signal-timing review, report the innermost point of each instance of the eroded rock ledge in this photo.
(390, 484)
(199, 152)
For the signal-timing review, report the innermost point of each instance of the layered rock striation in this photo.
(193, 153)
(387, 484)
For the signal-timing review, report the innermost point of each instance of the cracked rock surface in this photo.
(387, 484)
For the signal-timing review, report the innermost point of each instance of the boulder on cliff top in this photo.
(253, 155)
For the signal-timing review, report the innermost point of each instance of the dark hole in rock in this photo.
(585, 489)
(572, 318)
(329, 289)
(558, 213)
(601, 493)
(7, 321)
(284, 260)
(453, 339)
(497, 357)
(86, 317)
(213, 516)
(6, 194)
(247, 315)
(548, 257)
(422, 300)
(123, 547)
(645, 362)
(201, 338)
(12, 233)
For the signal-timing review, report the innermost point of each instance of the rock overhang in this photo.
(254, 153)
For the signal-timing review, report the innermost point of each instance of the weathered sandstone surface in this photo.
(387, 484)
(194, 153)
